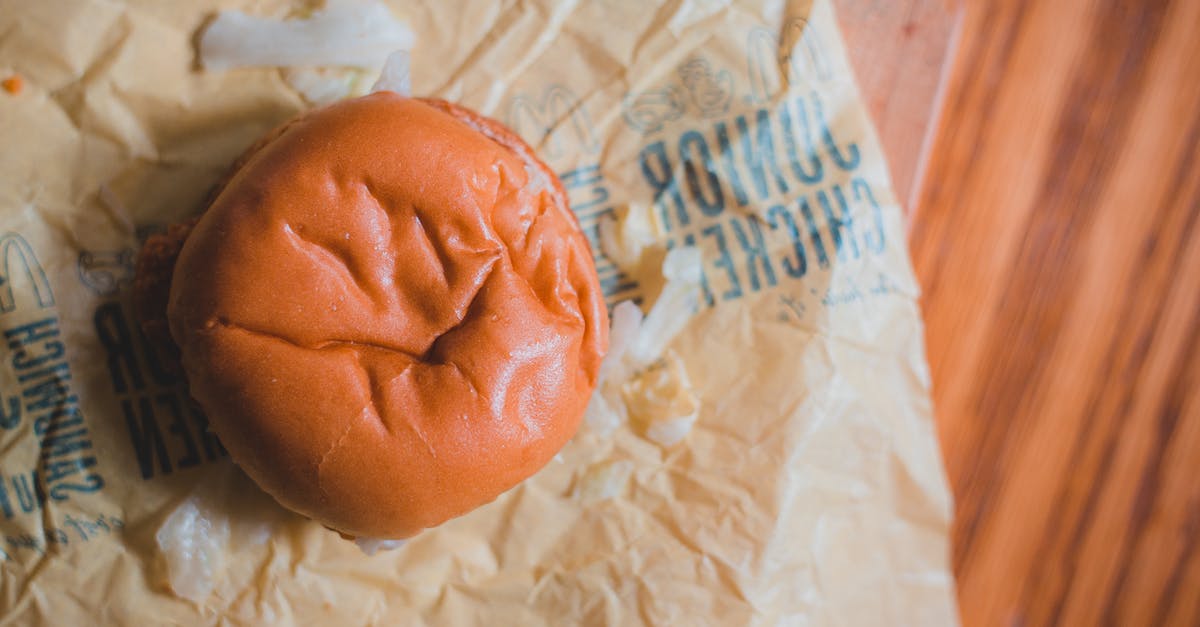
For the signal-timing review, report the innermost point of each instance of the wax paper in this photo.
(810, 491)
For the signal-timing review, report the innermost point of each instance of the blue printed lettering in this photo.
(754, 245)
(840, 221)
(727, 160)
(814, 233)
(724, 260)
(760, 155)
(805, 176)
(697, 157)
(875, 240)
(662, 182)
(797, 265)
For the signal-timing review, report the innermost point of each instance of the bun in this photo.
(389, 314)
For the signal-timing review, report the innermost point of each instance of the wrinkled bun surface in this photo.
(389, 314)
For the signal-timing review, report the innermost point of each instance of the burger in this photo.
(387, 311)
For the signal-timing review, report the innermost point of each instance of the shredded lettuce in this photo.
(350, 34)
(193, 542)
(371, 546)
(640, 380)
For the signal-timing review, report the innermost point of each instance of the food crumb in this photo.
(13, 84)
(603, 481)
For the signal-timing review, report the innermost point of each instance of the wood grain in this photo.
(1056, 238)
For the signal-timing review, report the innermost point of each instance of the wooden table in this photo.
(1056, 236)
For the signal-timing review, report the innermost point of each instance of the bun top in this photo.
(389, 314)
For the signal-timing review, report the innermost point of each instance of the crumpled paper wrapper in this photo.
(810, 491)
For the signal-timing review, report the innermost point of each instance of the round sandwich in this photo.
(388, 313)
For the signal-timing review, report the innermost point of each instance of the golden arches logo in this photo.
(777, 62)
(556, 125)
(16, 255)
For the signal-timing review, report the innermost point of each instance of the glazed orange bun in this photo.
(389, 314)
